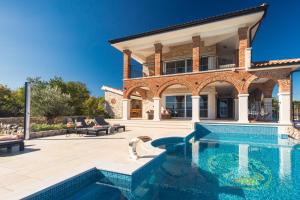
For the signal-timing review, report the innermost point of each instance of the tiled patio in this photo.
(47, 161)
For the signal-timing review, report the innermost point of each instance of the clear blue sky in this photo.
(68, 38)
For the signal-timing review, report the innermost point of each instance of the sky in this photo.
(69, 38)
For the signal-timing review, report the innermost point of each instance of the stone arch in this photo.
(164, 86)
(235, 83)
(128, 91)
(253, 77)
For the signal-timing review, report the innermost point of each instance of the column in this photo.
(126, 109)
(126, 63)
(196, 53)
(212, 103)
(156, 103)
(284, 107)
(236, 109)
(195, 108)
(243, 108)
(158, 59)
(268, 107)
(243, 44)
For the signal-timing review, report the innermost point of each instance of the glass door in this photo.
(176, 105)
(223, 108)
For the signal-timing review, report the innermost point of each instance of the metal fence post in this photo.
(27, 111)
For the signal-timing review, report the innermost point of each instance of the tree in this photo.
(94, 106)
(49, 102)
(9, 106)
(79, 94)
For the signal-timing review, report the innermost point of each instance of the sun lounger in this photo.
(8, 144)
(100, 121)
(82, 127)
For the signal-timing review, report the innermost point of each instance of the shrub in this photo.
(46, 127)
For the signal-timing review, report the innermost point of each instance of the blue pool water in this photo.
(212, 165)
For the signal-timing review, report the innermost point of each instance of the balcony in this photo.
(207, 63)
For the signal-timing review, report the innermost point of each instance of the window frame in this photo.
(178, 60)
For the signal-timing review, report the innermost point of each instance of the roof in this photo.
(247, 11)
(271, 63)
(113, 90)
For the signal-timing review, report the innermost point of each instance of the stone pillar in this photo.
(243, 44)
(212, 104)
(284, 107)
(268, 107)
(195, 108)
(248, 58)
(126, 109)
(158, 59)
(196, 53)
(126, 64)
(243, 108)
(156, 104)
(236, 109)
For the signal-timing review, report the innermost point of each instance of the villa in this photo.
(241, 144)
(202, 70)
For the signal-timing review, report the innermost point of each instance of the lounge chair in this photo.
(82, 127)
(100, 121)
(8, 142)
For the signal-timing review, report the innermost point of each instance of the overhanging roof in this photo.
(260, 8)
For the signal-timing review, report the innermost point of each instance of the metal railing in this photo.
(217, 62)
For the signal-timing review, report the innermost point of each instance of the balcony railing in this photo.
(217, 62)
(207, 63)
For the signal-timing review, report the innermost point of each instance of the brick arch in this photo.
(266, 88)
(164, 86)
(128, 91)
(280, 77)
(234, 82)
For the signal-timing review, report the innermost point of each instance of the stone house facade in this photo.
(204, 70)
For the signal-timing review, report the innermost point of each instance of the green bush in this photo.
(46, 127)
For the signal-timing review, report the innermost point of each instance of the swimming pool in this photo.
(216, 163)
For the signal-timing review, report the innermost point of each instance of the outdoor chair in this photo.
(100, 121)
(8, 142)
(70, 125)
(82, 127)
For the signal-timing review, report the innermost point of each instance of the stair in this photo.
(166, 124)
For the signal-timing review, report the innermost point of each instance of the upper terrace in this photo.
(214, 43)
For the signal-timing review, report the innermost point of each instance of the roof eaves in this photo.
(262, 7)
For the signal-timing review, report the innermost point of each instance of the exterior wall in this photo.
(147, 104)
(113, 104)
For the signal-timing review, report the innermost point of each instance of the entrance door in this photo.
(225, 108)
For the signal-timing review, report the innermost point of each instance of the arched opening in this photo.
(176, 102)
(295, 76)
(141, 103)
(263, 100)
(218, 100)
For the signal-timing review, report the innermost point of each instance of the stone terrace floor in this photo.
(47, 161)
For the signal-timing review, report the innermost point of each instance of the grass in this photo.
(46, 127)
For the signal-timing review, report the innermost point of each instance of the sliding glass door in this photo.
(179, 105)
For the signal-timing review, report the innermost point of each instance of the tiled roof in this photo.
(270, 63)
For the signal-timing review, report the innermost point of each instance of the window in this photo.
(208, 63)
(177, 67)
(203, 106)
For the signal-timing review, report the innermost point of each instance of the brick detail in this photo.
(195, 82)
(243, 44)
(126, 63)
(158, 59)
(196, 53)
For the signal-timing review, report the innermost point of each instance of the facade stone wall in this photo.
(113, 104)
